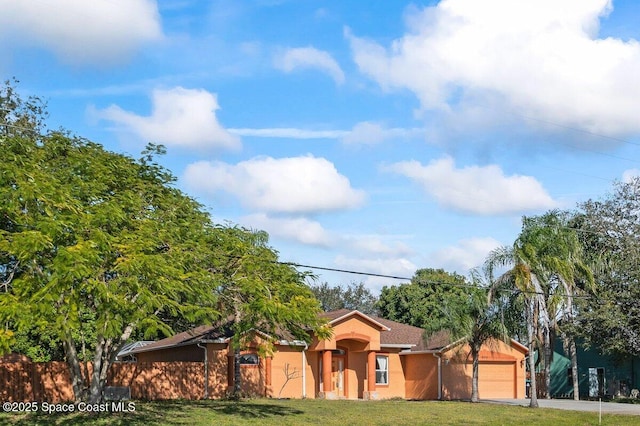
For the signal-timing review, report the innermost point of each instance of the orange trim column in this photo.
(267, 376)
(326, 372)
(371, 371)
(371, 392)
(230, 371)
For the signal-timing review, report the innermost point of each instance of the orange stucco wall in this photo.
(421, 376)
(313, 374)
(357, 374)
(354, 328)
(253, 380)
(356, 335)
(287, 373)
(218, 367)
(396, 386)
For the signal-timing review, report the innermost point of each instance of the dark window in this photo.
(249, 359)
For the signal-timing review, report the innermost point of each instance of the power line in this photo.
(576, 129)
(346, 271)
(396, 277)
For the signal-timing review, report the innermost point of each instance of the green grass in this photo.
(266, 412)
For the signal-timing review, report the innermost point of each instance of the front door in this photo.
(337, 375)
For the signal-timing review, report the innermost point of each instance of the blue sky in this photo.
(379, 136)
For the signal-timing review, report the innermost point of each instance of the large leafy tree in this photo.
(261, 296)
(610, 230)
(353, 296)
(428, 301)
(88, 235)
(98, 247)
(84, 228)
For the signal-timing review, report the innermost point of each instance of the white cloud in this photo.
(309, 58)
(479, 190)
(287, 185)
(536, 58)
(465, 255)
(378, 245)
(363, 133)
(391, 267)
(298, 229)
(290, 133)
(372, 133)
(628, 175)
(180, 117)
(81, 32)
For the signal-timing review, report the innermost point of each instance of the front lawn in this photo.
(266, 412)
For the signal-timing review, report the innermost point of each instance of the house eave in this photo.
(177, 345)
(397, 345)
(292, 343)
(425, 351)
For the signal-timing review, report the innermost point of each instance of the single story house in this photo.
(366, 358)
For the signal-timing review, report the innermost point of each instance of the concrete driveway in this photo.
(570, 404)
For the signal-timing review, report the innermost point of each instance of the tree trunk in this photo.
(548, 355)
(475, 353)
(237, 378)
(570, 344)
(573, 353)
(95, 390)
(533, 388)
(104, 356)
(107, 360)
(236, 374)
(78, 381)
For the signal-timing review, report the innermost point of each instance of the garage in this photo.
(501, 372)
(497, 380)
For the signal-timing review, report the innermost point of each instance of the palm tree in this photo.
(546, 265)
(483, 324)
(474, 323)
(522, 282)
(562, 259)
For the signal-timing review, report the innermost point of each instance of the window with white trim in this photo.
(382, 370)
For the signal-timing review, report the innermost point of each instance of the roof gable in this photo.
(512, 344)
(341, 315)
(392, 333)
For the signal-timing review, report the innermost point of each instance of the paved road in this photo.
(569, 404)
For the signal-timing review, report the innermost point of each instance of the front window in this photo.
(249, 359)
(382, 370)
